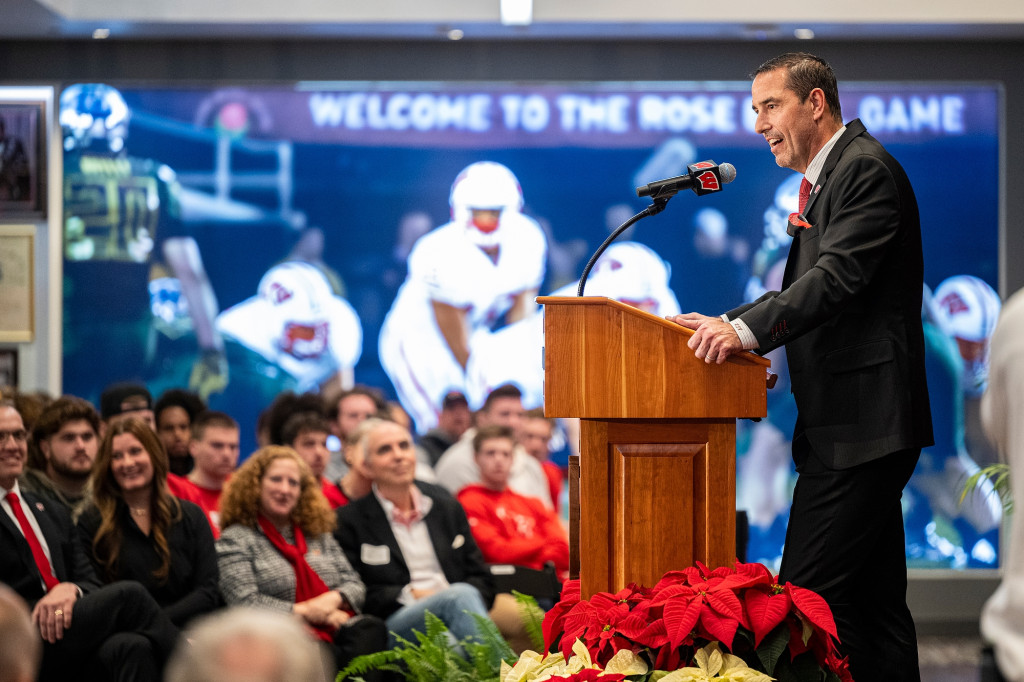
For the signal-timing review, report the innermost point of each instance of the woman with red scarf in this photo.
(276, 551)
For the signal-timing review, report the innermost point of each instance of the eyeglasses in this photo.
(19, 436)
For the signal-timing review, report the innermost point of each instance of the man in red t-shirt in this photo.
(510, 528)
(214, 447)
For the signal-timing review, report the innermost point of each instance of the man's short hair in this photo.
(805, 72)
(303, 422)
(52, 419)
(454, 399)
(218, 420)
(503, 391)
(178, 397)
(492, 431)
(244, 644)
(124, 397)
(333, 399)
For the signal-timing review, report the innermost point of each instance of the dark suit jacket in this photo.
(69, 562)
(849, 312)
(363, 529)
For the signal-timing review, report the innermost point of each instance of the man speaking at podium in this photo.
(849, 314)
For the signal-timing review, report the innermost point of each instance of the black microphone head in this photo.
(727, 172)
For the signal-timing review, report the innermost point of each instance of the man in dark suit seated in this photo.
(411, 544)
(115, 632)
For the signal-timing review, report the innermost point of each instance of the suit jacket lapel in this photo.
(853, 129)
(376, 518)
(18, 543)
(52, 534)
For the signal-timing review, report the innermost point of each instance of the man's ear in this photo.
(44, 447)
(818, 105)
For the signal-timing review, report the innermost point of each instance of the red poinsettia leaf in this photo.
(765, 611)
(672, 592)
(719, 627)
(669, 658)
(750, 575)
(670, 578)
(554, 620)
(726, 604)
(813, 607)
(588, 674)
(654, 635)
(571, 591)
(797, 645)
(632, 625)
(680, 617)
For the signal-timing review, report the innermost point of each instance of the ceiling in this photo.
(480, 19)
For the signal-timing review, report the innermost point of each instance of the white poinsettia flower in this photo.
(625, 662)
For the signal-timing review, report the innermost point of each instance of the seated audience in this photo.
(214, 447)
(174, 411)
(452, 421)
(456, 469)
(276, 552)
(535, 437)
(114, 632)
(411, 543)
(345, 411)
(126, 399)
(510, 528)
(20, 646)
(247, 645)
(306, 433)
(62, 453)
(136, 530)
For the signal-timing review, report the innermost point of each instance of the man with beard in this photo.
(64, 444)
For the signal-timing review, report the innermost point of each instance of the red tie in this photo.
(805, 193)
(42, 563)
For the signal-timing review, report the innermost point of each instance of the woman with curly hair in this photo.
(276, 551)
(136, 530)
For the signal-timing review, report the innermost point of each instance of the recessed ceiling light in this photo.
(804, 33)
(101, 33)
(455, 34)
(516, 12)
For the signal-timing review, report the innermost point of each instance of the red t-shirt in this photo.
(555, 480)
(208, 499)
(333, 493)
(514, 529)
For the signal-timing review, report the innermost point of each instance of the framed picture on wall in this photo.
(17, 322)
(22, 158)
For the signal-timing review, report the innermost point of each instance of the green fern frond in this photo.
(533, 619)
(998, 475)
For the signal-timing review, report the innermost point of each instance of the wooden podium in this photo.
(657, 471)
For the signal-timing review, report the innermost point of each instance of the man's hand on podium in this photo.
(713, 339)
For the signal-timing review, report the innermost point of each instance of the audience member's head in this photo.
(214, 446)
(535, 433)
(306, 433)
(242, 644)
(30, 405)
(504, 406)
(494, 451)
(13, 444)
(20, 645)
(274, 482)
(127, 399)
(353, 406)
(397, 414)
(455, 416)
(284, 406)
(174, 412)
(65, 440)
(389, 456)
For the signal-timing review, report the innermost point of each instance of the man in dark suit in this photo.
(411, 543)
(116, 632)
(849, 314)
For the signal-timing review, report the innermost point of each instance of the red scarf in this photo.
(307, 583)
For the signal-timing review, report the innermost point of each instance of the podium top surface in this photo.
(743, 358)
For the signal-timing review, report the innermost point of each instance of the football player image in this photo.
(484, 266)
(122, 228)
(296, 329)
(629, 272)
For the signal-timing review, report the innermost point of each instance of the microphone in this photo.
(704, 177)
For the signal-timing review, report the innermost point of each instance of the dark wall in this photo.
(290, 60)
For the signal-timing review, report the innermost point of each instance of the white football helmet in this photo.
(94, 115)
(298, 294)
(635, 275)
(484, 185)
(966, 309)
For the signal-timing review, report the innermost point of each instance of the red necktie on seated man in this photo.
(42, 563)
(805, 194)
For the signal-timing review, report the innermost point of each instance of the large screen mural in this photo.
(244, 241)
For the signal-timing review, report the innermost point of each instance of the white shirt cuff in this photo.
(747, 337)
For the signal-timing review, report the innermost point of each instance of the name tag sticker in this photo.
(459, 541)
(375, 555)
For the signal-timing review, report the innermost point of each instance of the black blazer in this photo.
(67, 558)
(363, 530)
(849, 312)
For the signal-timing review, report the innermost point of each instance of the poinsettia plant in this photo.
(782, 630)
